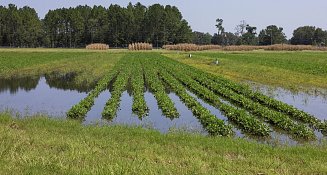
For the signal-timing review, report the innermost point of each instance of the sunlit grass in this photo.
(89, 66)
(38, 145)
(292, 70)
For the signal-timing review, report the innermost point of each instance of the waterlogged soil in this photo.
(55, 95)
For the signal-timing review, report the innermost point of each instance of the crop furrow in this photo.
(278, 119)
(211, 123)
(137, 79)
(83, 107)
(269, 102)
(164, 102)
(119, 86)
(246, 122)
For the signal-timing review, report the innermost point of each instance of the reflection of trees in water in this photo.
(67, 82)
(56, 80)
(15, 84)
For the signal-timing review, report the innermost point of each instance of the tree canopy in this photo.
(272, 35)
(309, 35)
(76, 27)
(119, 26)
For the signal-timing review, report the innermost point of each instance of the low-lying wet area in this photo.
(55, 94)
(310, 102)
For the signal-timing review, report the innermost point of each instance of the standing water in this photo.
(55, 96)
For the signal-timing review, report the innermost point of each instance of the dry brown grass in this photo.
(276, 47)
(294, 47)
(140, 46)
(97, 46)
(191, 47)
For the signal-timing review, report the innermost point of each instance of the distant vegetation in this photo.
(290, 70)
(275, 47)
(83, 25)
(120, 26)
(140, 46)
(97, 46)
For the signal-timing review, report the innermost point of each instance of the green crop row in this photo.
(211, 123)
(137, 81)
(164, 102)
(258, 97)
(249, 124)
(83, 107)
(119, 86)
(276, 118)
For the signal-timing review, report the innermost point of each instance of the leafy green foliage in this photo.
(156, 86)
(137, 80)
(274, 117)
(211, 123)
(243, 109)
(119, 86)
(272, 35)
(248, 123)
(20, 27)
(80, 110)
(309, 35)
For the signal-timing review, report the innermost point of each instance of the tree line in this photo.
(247, 35)
(119, 26)
(76, 27)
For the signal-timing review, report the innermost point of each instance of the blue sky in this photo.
(201, 15)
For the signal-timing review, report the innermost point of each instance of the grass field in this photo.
(44, 146)
(39, 145)
(291, 70)
(89, 66)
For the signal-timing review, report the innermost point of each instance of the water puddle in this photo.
(155, 119)
(55, 94)
(34, 96)
(314, 104)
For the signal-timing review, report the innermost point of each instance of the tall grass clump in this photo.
(97, 46)
(288, 47)
(210, 47)
(191, 47)
(182, 47)
(276, 47)
(140, 46)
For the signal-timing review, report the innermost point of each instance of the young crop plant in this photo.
(164, 102)
(273, 117)
(119, 86)
(137, 81)
(79, 110)
(271, 103)
(249, 124)
(211, 123)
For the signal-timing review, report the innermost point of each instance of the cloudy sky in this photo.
(201, 15)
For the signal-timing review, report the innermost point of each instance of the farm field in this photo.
(170, 93)
(302, 70)
(88, 66)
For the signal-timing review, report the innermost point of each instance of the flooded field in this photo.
(55, 96)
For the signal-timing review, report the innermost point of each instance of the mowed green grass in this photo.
(90, 66)
(39, 145)
(293, 70)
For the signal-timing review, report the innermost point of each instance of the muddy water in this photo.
(55, 95)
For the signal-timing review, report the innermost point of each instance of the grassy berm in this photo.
(39, 145)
